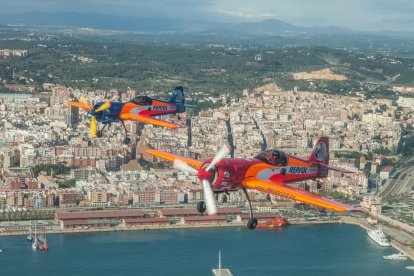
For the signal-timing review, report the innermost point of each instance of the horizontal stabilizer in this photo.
(338, 169)
(190, 106)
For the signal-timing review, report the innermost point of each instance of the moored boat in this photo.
(398, 256)
(34, 242)
(378, 236)
(273, 223)
(43, 243)
(30, 233)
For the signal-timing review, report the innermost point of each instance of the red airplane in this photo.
(271, 171)
(140, 109)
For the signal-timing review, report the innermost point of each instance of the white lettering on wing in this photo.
(137, 110)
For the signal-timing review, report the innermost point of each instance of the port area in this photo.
(401, 240)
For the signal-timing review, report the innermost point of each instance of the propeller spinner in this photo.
(93, 112)
(206, 176)
(83, 104)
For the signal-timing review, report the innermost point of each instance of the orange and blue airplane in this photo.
(271, 171)
(140, 109)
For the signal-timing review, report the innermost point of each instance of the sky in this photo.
(362, 15)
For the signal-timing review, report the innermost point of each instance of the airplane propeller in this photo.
(218, 157)
(93, 127)
(103, 107)
(209, 198)
(81, 104)
(84, 105)
(93, 112)
(182, 166)
(205, 176)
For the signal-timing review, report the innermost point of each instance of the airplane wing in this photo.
(79, 105)
(171, 157)
(147, 120)
(283, 190)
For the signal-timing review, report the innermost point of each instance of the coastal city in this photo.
(150, 139)
(53, 170)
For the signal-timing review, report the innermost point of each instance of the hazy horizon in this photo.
(368, 15)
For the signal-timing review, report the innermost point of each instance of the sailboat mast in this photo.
(219, 262)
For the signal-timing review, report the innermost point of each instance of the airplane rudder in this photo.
(320, 152)
(178, 99)
(177, 95)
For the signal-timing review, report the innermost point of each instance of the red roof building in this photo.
(386, 172)
(245, 217)
(214, 219)
(104, 214)
(184, 212)
(131, 222)
(95, 219)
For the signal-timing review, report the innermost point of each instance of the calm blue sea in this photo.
(295, 250)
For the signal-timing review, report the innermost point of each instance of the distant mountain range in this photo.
(155, 25)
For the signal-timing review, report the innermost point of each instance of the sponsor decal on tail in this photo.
(320, 152)
(320, 158)
(178, 99)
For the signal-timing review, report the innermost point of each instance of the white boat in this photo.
(30, 233)
(221, 271)
(410, 267)
(34, 243)
(378, 236)
(398, 256)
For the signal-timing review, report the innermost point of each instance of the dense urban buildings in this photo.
(48, 159)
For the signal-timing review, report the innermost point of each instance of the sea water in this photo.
(330, 249)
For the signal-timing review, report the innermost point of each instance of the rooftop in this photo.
(98, 214)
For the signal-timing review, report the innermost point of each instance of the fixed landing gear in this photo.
(252, 223)
(99, 133)
(201, 207)
(126, 140)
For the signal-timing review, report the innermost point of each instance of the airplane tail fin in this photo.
(320, 157)
(320, 152)
(178, 99)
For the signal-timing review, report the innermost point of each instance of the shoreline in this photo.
(152, 227)
(407, 250)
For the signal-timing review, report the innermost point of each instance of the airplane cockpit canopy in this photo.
(273, 157)
(142, 100)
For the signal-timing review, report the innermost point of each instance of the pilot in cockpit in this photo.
(142, 100)
(278, 158)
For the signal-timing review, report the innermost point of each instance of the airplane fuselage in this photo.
(229, 173)
(117, 108)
